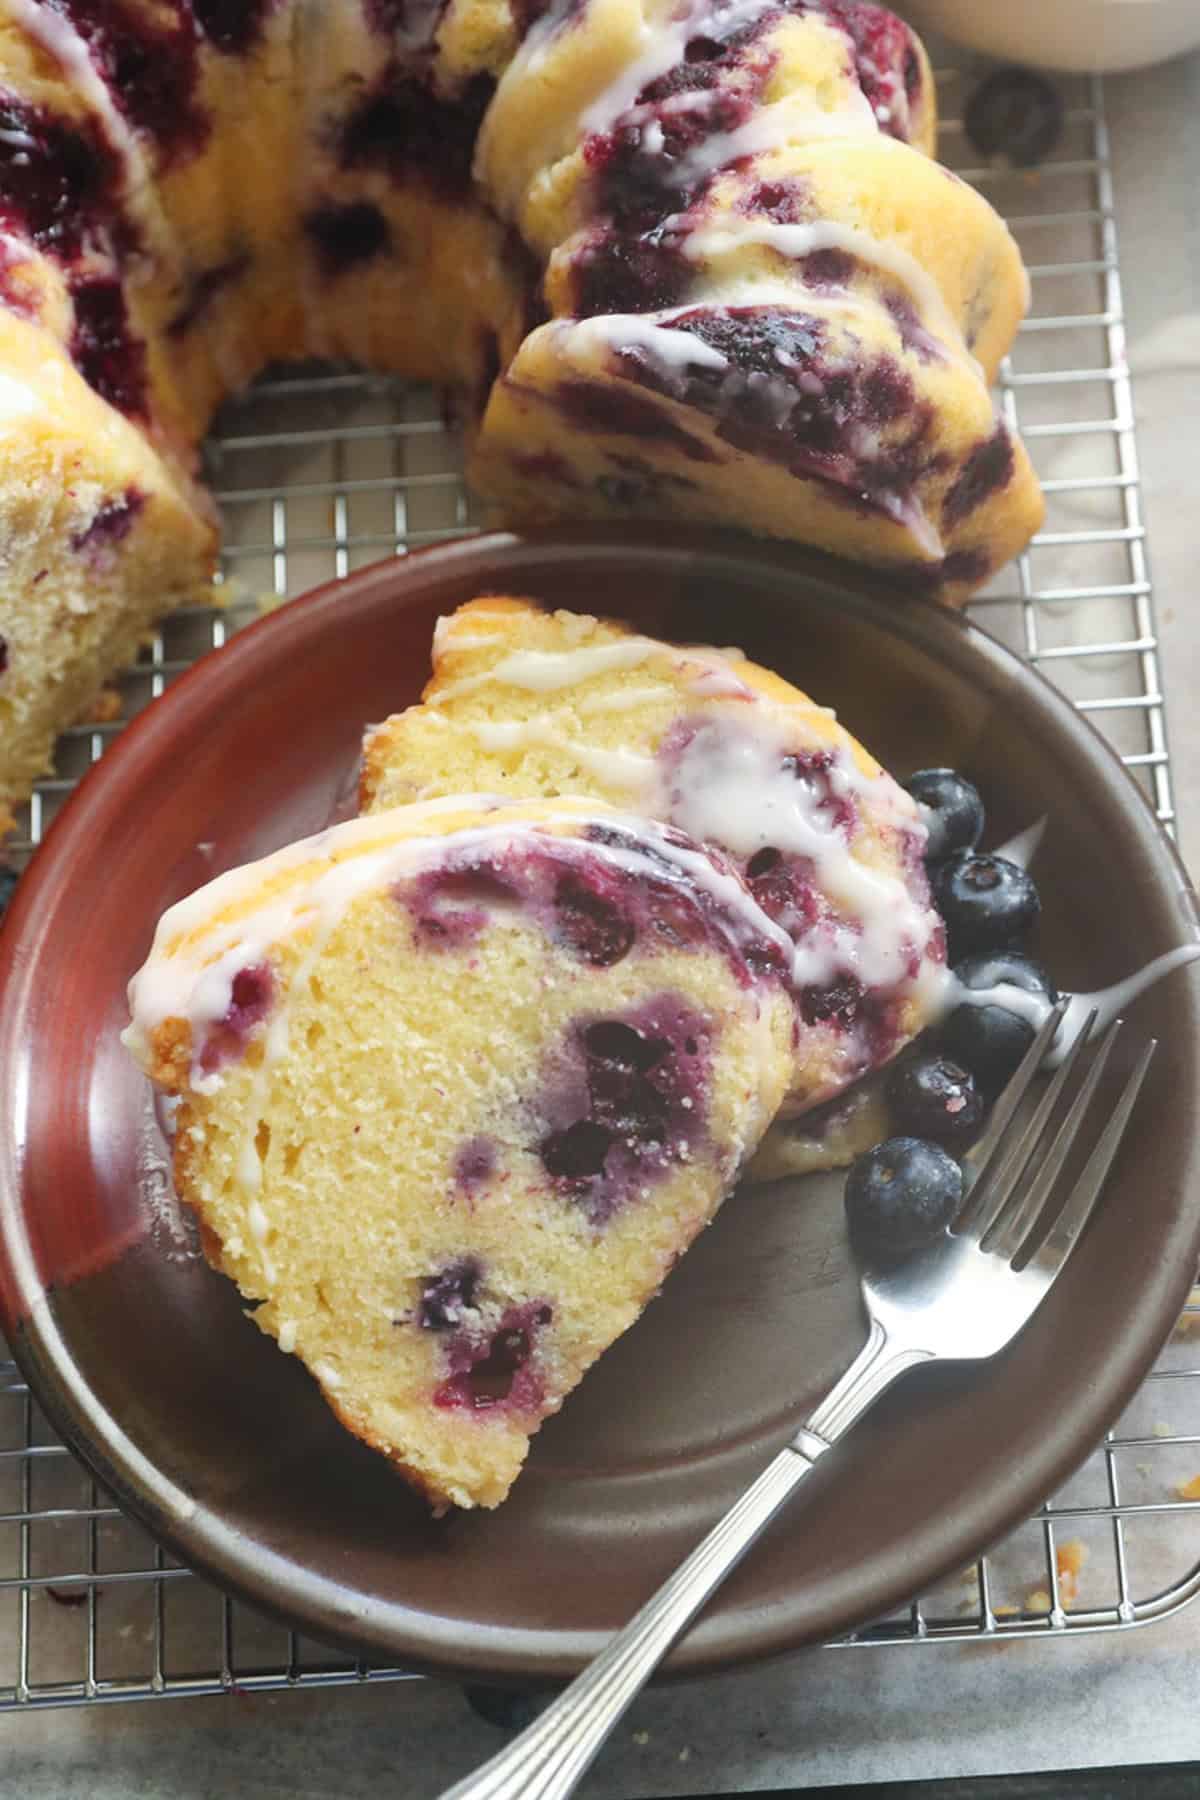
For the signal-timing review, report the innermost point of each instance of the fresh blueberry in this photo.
(990, 1039)
(508, 1709)
(986, 901)
(8, 887)
(934, 1097)
(953, 810)
(901, 1194)
(1014, 116)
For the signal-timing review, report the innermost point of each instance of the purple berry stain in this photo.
(103, 347)
(401, 127)
(588, 905)
(345, 236)
(776, 389)
(452, 904)
(885, 60)
(475, 1162)
(625, 1103)
(597, 408)
(111, 523)
(497, 1367)
(150, 65)
(988, 468)
(250, 999)
(446, 1296)
(592, 923)
(59, 182)
(232, 26)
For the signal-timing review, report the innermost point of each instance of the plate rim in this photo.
(62, 1389)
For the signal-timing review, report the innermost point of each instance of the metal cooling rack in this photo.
(318, 473)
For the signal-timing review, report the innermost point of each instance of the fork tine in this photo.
(1080, 1203)
(1010, 1099)
(989, 1145)
(1012, 1224)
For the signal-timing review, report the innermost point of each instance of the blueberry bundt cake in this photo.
(528, 703)
(460, 1083)
(677, 258)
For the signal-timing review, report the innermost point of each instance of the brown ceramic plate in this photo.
(142, 1356)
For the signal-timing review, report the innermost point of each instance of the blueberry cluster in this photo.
(903, 1192)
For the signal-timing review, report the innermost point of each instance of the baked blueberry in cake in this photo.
(669, 260)
(528, 703)
(459, 1084)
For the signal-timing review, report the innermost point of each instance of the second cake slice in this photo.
(529, 703)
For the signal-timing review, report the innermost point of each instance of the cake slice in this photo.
(460, 1083)
(798, 414)
(524, 702)
(623, 110)
(94, 519)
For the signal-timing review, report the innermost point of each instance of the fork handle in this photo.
(551, 1755)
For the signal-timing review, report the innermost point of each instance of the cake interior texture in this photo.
(458, 1086)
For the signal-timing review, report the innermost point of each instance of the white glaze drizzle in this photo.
(793, 120)
(168, 978)
(651, 333)
(626, 699)
(662, 43)
(732, 788)
(544, 671)
(549, 671)
(260, 1231)
(197, 952)
(17, 400)
(623, 768)
(794, 241)
(60, 40)
(720, 683)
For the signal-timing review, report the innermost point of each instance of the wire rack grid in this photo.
(319, 472)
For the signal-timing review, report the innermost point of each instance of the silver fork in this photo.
(960, 1299)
